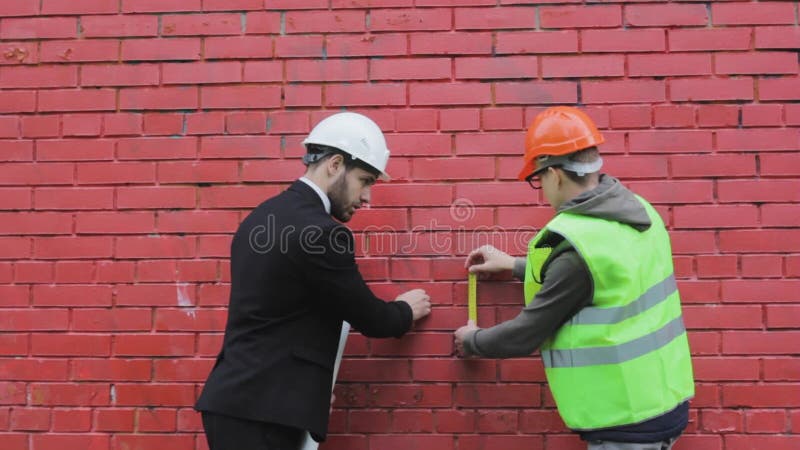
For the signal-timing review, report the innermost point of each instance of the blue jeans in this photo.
(607, 445)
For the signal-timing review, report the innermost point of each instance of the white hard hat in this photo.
(354, 134)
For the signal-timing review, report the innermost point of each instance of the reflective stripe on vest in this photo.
(652, 297)
(617, 354)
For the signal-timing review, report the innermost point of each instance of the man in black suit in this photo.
(294, 280)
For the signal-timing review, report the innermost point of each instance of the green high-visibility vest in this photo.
(624, 359)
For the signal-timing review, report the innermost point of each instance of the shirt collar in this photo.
(326, 202)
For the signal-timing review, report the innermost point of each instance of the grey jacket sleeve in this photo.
(519, 268)
(567, 288)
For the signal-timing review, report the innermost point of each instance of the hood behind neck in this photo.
(609, 200)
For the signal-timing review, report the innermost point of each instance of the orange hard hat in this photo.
(559, 130)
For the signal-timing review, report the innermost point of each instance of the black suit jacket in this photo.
(294, 280)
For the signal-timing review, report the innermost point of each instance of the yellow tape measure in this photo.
(472, 296)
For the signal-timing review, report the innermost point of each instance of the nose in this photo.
(366, 194)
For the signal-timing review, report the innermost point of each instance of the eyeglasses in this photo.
(535, 179)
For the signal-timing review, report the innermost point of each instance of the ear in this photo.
(334, 165)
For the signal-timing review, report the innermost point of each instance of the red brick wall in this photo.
(134, 134)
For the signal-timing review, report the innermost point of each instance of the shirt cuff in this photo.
(470, 345)
(520, 264)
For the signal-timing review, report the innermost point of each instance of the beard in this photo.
(338, 197)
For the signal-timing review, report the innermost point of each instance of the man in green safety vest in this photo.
(601, 301)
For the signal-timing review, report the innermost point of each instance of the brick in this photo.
(119, 26)
(596, 16)
(416, 144)
(547, 421)
(666, 15)
(35, 127)
(157, 148)
(669, 65)
(31, 272)
(179, 370)
(206, 24)
(149, 345)
(370, 421)
(54, 440)
(72, 247)
(10, 9)
(427, 369)
(758, 191)
(16, 150)
(452, 43)
(234, 47)
(674, 192)
(711, 89)
(725, 317)
(497, 396)
(766, 395)
(72, 420)
(465, 93)
(373, 94)
(116, 419)
(39, 28)
(766, 421)
(155, 247)
(196, 172)
(202, 73)
(56, 7)
(79, 51)
(747, 291)
(69, 394)
(778, 88)
(583, 66)
(453, 169)
(299, 46)
(411, 421)
(627, 91)
(242, 196)
(115, 173)
(152, 197)
(495, 18)
(246, 123)
(410, 69)
(75, 150)
(183, 97)
(76, 198)
(162, 123)
(197, 221)
(70, 345)
(17, 101)
(155, 395)
(629, 116)
(777, 37)
(122, 124)
(158, 420)
(384, 44)
(763, 241)
(763, 139)
(116, 222)
(327, 70)
(153, 295)
(717, 266)
(719, 421)
(397, 442)
(71, 295)
(69, 272)
(779, 215)
(33, 369)
(502, 118)
(757, 266)
(14, 344)
(240, 147)
(205, 123)
(303, 95)
(717, 116)
(236, 97)
(120, 75)
(15, 248)
(263, 22)
(746, 63)
(30, 419)
(139, 6)
(335, 22)
(160, 49)
(9, 127)
(763, 13)
(81, 124)
(710, 39)
(716, 216)
(762, 115)
(628, 40)
(50, 76)
(781, 369)
(497, 421)
(117, 319)
(433, 19)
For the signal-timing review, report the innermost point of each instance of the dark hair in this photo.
(320, 153)
(586, 155)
